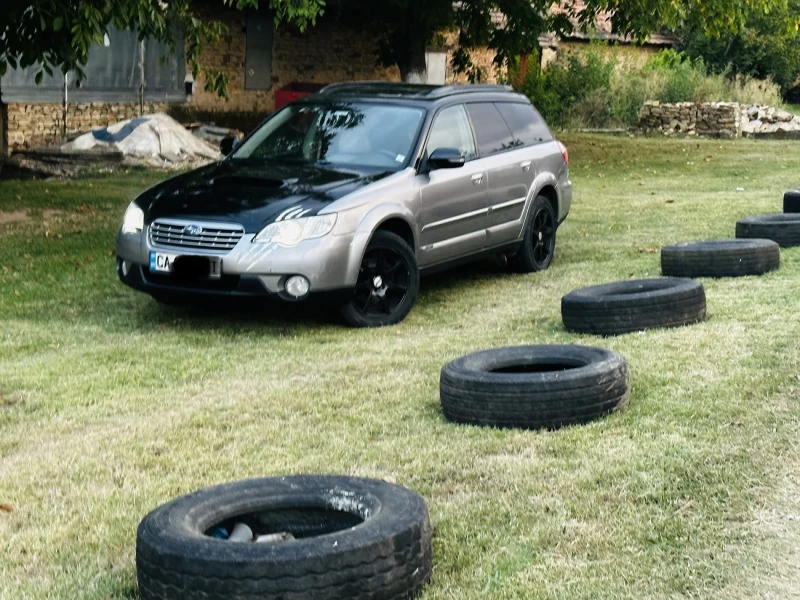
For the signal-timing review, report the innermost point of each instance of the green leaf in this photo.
(58, 23)
(39, 77)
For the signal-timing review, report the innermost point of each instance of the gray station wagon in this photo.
(354, 192)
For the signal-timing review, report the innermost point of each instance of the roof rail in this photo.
(466, 88)
(419, 90)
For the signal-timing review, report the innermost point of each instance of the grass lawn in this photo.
(111, 404)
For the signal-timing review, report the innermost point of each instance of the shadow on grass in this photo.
(117, 309)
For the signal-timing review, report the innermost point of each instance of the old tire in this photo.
(335, 555)
(791, 201)
(534, 387)
(781, 228)
(626, 306)
(720, 258)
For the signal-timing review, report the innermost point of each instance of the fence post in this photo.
(141, 78)
(65, 105)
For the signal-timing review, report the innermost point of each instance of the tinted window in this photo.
(491, 130)
(525, 123)
(451, 130)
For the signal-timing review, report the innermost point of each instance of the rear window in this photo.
(491, 131)
(525, 123)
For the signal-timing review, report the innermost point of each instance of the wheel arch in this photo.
(396, 219)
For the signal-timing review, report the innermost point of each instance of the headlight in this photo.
(133, 221)
(294, 231)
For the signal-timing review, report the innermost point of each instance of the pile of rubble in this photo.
(767, 119)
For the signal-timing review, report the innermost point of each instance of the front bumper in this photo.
(248, 270)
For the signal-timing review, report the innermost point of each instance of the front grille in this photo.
(216, 237)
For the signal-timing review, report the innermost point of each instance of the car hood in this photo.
(252, 194)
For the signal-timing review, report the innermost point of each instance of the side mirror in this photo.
(446, 158)
(228, 145)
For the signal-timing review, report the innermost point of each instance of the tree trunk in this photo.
(411, 54)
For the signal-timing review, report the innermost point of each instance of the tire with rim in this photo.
(781, 228)
(626, 306)
(720, 258)
(534, 387)
(353, 538)
(387, 285)
(539, 242)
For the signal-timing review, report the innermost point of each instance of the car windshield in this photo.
(339, 133)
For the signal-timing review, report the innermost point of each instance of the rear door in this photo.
(506, 166)
(454, 214)
(530, 134)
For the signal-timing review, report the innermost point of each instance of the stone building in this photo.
(257, 58)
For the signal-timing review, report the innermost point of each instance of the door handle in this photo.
(526, 166)
(477, 179)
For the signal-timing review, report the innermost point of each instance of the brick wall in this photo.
(36, 124)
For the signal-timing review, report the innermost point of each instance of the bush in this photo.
(590, 89)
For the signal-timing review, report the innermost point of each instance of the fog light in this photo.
(297, 286)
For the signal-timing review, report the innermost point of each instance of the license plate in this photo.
(186, 265)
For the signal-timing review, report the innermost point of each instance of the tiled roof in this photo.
(603, 29)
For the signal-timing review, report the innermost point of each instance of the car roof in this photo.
(415, 93)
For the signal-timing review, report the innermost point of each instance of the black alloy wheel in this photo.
(539, 243)
(387, 286)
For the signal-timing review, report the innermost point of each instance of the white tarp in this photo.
(157, 140)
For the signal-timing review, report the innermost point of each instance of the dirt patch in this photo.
(50, 213)
(12, 217)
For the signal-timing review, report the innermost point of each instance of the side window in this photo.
(491, 130)
(525, 123)
(451, 129)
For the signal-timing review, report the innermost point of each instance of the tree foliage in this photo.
(59, 33)
(767, 46)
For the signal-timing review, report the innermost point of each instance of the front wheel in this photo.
(387, 286)
(539, 243)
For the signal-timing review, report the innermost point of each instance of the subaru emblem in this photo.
(192, 230)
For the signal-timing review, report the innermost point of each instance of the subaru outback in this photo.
(354, 192)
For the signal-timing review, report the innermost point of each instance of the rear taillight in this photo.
(564, 152)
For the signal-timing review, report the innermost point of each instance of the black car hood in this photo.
(252, 194)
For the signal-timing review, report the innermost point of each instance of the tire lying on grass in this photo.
(791, 201)
(781, 228)
(720, 258)
(626, 306)
(534, 387)
(354, 538)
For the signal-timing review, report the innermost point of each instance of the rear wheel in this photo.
(539, 243)
(387, 286)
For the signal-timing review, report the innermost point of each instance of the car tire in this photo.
(387, 285)
(539, 242)
(534, 387)
(626, 306)
(791, 201)
(720, 258)
(781, 228)
(354, 538)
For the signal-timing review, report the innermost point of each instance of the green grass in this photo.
(111, 404)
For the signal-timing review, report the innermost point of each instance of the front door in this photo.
(454, 201)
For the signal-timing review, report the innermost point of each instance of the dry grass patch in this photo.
(111, 404)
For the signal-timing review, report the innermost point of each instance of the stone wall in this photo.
(31, 125)
(716, 119)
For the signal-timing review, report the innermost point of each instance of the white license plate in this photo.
(163, 262)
